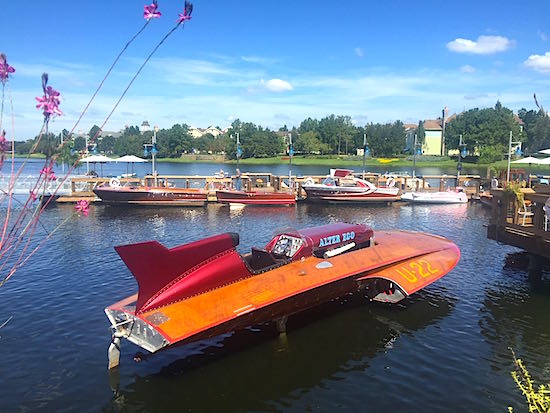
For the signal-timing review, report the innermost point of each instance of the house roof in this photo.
(432, 124)
(410, 125)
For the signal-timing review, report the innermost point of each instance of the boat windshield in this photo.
(329, 181)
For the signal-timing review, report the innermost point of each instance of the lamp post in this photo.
(416, 149)
(365, 152)
(290, 154)
(518, 151)
(461, 154)
(153, 151)
(238, 154)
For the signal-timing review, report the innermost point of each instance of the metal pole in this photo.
(153, 151)
(87, 153)
(458, 165)
(414, 157)
(509, 155)
(290, 153)
(364, 152)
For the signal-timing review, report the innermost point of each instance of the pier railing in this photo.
(521, 223)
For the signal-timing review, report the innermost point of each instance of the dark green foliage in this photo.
(484, 130)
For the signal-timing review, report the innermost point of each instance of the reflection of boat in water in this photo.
(255, 197)
(114, 193)
(206, 288)
(342, 186)
(440, 197)
(270, 370)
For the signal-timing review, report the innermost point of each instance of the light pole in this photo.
(365, 152)
(290, 154)
(153, 151)
(416, 149)
(461, 154)
(238, 154)
(518, 151)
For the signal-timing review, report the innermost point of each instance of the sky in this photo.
(273, 63)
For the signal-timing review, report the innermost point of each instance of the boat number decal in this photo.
(335, 239)
(415, 269)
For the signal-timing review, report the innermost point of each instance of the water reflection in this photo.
(253, 370)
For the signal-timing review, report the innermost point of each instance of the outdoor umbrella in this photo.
(101, 159)
(545, 151)
(130, 159)
(531, 160)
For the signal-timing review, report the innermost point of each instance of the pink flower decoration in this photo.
(5, 68)
(186, 15)
(150, 12)
(82, 207)
(49, 102)
(48, 173)
(32, 195)
(3, 142)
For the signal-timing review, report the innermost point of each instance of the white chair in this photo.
(546, 209)
(525, 212)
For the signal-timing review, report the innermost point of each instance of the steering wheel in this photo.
(282, 247)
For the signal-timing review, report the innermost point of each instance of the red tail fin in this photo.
(154, 266)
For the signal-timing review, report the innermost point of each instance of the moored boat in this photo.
(439, 197)
(255, 197)
(205, 288)
(114, 193)
(341, 186)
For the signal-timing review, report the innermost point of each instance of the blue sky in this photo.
(276, 63)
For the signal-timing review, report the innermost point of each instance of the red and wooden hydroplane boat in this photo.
(206, 288)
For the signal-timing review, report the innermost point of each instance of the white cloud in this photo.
(277, 85)
(543, 36)
(258, 60)
(358, 51)
(483, 45)
(467, 69)
(539, 63)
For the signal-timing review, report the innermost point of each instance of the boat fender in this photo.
(309, 181)
(114, 182)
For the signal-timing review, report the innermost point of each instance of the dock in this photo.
(82, 187)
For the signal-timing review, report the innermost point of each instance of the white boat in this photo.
(440, 197)
(341, 186)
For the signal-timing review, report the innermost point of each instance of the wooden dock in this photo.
(521, 224)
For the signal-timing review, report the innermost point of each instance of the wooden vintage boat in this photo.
(205, 288)
(255, 197)
(439, 197)
(341, 186)
(114, 193)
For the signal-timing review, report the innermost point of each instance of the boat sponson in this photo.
(158, 269)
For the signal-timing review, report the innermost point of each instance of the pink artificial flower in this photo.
(48, 173)
(32, 195)
(186, 15)
(150, 12)
(5, 68)
(82, 206)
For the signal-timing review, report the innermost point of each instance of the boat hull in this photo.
(435, 197)
(321, 194)
(159, 196)
(399, 260)
(255, 197)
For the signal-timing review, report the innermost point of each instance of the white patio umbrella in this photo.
(101, 159)
(531, 160)
(130, 159)
(545, 151)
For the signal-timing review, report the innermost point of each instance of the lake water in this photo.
(443, 349)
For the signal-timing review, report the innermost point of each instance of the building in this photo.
(410, 131)
(198, 132)
(145, 127)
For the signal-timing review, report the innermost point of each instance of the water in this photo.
(444, 349)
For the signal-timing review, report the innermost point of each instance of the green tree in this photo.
(486, 130)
